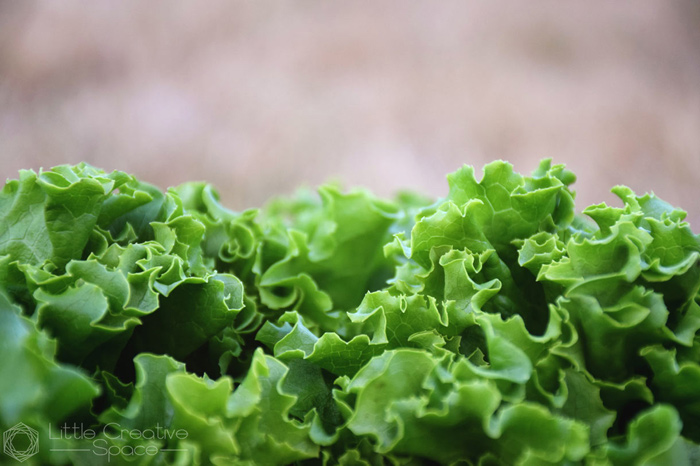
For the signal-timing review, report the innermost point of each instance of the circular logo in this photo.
(20, 442)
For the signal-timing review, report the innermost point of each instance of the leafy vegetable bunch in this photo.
(492, 327)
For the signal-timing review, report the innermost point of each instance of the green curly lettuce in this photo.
(495, 326)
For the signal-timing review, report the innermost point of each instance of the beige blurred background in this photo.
(261, 97)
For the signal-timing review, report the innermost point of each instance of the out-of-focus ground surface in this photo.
(261, 97)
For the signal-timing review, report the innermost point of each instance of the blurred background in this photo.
(262, 97)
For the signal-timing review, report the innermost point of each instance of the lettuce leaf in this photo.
(495, 326)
